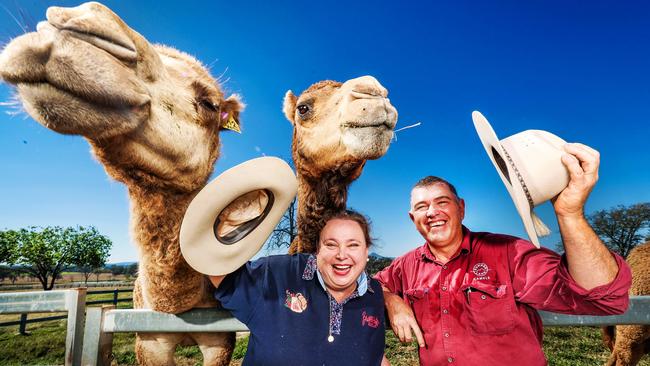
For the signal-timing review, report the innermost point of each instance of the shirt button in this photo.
(483, 297)
(450, 359)
(444, 288)
(446, 335)
(445, 311)
(444, 267)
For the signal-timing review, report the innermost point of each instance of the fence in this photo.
(71, 301)
(22, 323)
(101, 323)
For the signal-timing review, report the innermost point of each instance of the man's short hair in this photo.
(430, 180)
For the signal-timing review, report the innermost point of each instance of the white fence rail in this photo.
(71, 301)
(101, 323)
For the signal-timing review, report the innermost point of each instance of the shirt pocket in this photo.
(418, 298)
(489, 308)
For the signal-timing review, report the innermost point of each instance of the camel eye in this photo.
(302, 109)
(206, 104)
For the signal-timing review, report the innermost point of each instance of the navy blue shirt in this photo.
(294, 321)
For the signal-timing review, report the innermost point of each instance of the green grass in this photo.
(570, 346)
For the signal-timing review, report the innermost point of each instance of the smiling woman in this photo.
(320, 309)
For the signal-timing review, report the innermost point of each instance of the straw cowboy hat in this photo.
(530, 166)
(220, 232)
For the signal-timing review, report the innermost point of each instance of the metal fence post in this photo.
(23, 324)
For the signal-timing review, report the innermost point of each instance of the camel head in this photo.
(151, 113)
(340, 124)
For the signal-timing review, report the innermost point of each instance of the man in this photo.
(471, 298)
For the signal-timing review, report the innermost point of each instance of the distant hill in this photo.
(379, 256)
(119, 264)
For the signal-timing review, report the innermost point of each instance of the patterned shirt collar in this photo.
(311, 269)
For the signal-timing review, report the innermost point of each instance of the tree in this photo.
(376, 263)
(130, 271)
(8, 247)
(90, 250)
(45, 252)
(621, 228)
(285, 231)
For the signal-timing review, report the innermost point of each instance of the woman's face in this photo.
(342, 256)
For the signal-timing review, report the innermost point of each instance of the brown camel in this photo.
(337, 127)
(630, 342)
(152, 116)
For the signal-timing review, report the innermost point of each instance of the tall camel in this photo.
(629, 343)
(152, 116)
(337, 127)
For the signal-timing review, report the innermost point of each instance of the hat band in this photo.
(520, 178)
(247, 227)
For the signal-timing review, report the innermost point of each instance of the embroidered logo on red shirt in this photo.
(480, 269)
(369, 320)
(296, 302)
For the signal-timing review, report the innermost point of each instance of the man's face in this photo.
(437, 214)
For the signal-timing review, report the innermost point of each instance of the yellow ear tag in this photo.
(230, 123)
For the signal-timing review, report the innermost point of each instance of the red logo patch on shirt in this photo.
(369, 320)
(480, 270)
(296, 302)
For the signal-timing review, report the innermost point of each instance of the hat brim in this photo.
(200, 246)
(495, 151)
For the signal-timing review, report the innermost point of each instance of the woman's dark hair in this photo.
(355, 216)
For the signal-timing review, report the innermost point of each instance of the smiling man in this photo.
(471, 298)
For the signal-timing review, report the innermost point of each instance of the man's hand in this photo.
(582, 163)
(589, 262)
(402, 319)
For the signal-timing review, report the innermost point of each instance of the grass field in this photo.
(45, 343)
(564, 346)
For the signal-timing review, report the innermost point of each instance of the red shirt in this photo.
(479, 308)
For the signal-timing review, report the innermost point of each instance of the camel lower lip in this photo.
(138, 101)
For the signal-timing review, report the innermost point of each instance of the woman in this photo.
(311, 309)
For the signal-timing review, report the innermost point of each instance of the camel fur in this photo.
(152, 116)
(629, 343)
(337, 127)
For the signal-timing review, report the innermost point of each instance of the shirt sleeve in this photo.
(541, 279)
(391, 277)
(240, 291)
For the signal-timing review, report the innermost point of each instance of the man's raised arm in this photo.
(590, 263)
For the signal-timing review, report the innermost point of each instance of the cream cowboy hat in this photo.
(216, 237)
(530, 166)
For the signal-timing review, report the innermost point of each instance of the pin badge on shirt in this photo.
(296, 302)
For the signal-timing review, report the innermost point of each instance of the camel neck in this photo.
(156, 219)
(319, 197)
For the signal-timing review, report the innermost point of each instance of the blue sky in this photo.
(576, 69)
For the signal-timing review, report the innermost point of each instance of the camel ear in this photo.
(289, 107)
(230, 110)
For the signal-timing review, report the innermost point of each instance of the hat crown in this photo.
(537, 157)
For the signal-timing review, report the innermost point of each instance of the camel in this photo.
(152, 116)
(337, 127)
(629, 343)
